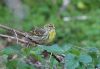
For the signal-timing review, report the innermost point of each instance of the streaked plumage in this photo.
(44, 35)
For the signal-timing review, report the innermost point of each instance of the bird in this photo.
(44, 35)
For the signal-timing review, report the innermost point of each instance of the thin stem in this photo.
(14, 38)
(20, 33)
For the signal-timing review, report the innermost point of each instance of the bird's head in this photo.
(49, 26)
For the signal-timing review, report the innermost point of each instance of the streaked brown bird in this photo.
(44, 35)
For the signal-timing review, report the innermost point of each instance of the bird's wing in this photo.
(38, 32)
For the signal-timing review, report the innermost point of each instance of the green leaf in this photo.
(11, 50)
(84, 58)
(12, 64)
(8, 51)
(54, 49)
(75, 51)
(53, 62)
(98, 65)
(66, 47)
(93, 49)
(90, 66)
(26, 51)
(71, 61)
(22, 65)
(37, 50)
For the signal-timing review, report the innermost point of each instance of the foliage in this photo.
(78, 40)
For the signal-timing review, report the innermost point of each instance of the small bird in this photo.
(44, 35)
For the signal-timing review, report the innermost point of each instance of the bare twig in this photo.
(59, 58)
(19, 33)
(14, 38)
(10, 29)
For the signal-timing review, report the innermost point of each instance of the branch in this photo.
(20, 33)
(14, 38)
(59, 58)
(10, 29)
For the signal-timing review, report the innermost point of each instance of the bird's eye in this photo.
(50, 26)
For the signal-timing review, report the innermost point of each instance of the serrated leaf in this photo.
(25, 51)
(22, 65)
(11, 64)
(70, 56)
(93, 49)
(71, 62)
(10, 50)
(84, 58)
(54, 49)
(75, 51)
(66, 47)
(90, 66)
(37, 50)
(98, 65)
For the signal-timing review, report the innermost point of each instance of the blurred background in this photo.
(77, 22)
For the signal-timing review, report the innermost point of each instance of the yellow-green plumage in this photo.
(52, 35)
(44, 35)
